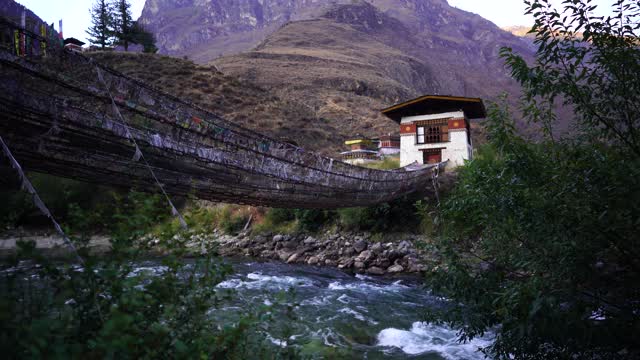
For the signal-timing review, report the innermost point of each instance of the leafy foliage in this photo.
(111, 307)
(102, 31)
(539, 240)
(397, 215)
(65, 197)
(123, 23)
(139, 35)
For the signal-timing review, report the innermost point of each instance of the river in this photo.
(332, 314)
(357, 316)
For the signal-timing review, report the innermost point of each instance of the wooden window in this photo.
(432, 131)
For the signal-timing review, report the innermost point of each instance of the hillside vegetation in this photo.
(235, 100)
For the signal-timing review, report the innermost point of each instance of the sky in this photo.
(511, 12)
(75, 13)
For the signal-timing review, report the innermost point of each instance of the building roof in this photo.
(358, 141)
(73, 41)
(359, 152)
(473, 108)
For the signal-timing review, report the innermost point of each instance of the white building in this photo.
(436, 128)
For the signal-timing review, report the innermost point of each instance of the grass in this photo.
(388, 163)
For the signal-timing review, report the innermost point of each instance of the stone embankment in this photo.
(361, 253)
(357, 252)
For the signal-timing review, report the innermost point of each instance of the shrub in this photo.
(312, 220)
(279, 216)
(105, 309)
(388, 163)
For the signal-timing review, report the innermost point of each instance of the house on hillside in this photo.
(73, 44)
(388, 145)
(436, 128)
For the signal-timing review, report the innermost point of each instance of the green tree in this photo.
(142, 37)
(123, 23)
(539, 240)
(101, 31)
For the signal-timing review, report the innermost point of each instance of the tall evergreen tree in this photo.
(142, 37)
(123, 23)
(101, 31)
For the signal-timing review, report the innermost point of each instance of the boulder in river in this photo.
(394, 269)
(360, 245)
(376, 248)
(374, 270)
(293, 258)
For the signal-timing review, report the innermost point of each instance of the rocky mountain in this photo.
(356, 59)
(206, 29)
(342, 59)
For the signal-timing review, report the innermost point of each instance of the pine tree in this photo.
(102, 24)
(142, 37)
(123, 23)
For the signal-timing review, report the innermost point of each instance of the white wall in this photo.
(456, 150)
(449, 115)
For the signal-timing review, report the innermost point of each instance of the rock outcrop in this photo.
(347, 251)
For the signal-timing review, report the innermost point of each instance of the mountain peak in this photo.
(359, 14)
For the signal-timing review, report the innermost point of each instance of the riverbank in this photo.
(358, 252)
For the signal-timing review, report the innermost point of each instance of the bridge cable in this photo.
(26, 185)
(138, 153)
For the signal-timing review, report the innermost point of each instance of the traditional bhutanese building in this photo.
(436, 128)
(388, 145)
(73, 44)
(363, 150)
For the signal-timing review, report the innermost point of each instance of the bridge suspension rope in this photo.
(187, 149)
(28, 187)
(138, 153)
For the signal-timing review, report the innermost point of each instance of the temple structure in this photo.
(436, 128)
(363, 150)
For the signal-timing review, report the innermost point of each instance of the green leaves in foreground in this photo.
(540, 240)
(118, 306)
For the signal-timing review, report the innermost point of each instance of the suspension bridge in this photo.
(64, 114)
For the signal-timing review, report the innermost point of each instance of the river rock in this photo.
(376, 248)
(283, 255)
(290, 244)
(374, 270)
(365, 256)
(393, 255)
(313, 260)
(330, 262)
(260, 239)
(360, 245)
(382, 263)
(345, 263)
(358, 265)
(293, 258)
(405, 245)
(278, 238)
(267, 254)
(348, 251)
(394, 269)
(309, 241)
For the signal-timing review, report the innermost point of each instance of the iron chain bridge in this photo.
(63, 113)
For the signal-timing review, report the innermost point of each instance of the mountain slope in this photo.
(355, 59)
(238, 101)
(206, 29)
(343, 60)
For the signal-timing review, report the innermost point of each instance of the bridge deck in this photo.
(67, 115)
